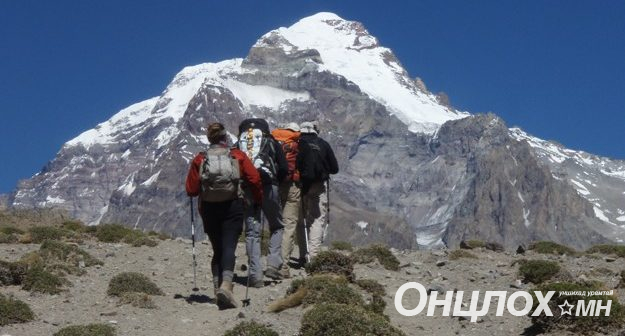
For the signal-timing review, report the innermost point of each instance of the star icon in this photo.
(566, 308)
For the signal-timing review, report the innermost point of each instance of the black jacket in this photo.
(315, 160)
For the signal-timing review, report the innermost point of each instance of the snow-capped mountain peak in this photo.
(347, 48)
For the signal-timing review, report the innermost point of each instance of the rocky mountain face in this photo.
(414, 171)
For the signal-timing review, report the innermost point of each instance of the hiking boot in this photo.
(273, 273)
(225, 298)
(257, 283)
(285, 273)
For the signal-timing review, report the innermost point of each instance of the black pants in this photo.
(223, 223)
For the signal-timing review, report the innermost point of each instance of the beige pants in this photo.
(315, 204)
(290, 198)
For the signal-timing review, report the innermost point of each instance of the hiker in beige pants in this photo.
(315, 211)
(290, 193)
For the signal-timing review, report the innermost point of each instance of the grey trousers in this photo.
(272, 211)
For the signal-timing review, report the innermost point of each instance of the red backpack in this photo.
(290, 145)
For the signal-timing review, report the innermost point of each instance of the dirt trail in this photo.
(181, 311)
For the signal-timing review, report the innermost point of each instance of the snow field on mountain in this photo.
(357, 56)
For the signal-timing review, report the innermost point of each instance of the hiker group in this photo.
(281, 177)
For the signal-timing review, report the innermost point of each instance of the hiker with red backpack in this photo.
(217, 177)
(266, 154)
(290, 195)
(315, 162)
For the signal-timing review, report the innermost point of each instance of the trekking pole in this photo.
(246, 301)
(195, 289)
(307, 255)
(325, 229)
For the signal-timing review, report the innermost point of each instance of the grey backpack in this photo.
(219, 175)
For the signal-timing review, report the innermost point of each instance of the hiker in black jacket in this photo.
(316, 162)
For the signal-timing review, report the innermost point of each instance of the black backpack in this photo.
(314, 160)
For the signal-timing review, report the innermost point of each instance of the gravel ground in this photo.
(182, 311)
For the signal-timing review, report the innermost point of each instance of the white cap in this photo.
(308, 127)
(291, 126)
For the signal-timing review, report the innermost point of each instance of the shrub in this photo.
(471, 244)
(40, 233)
(9, 238)
(548, 247)
(331, 262)
(538, 271)
(91, 229)
(112, 233)
(8, 230)
(132, 282)
(74, 226)
(37, 279)
(371, 286)
(617, 250)
(579, 324)
(116, 233)
(14, 311)
(12, 273)
(159, 235)
(343, 320)
(96, 329)
(458, 254)
(142, 240)
(250, 329)
(66, 257)
(139, 300)
(379, 252)
(341, 246)
(326, 289)
(621, 283)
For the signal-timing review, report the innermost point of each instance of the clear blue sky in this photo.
(554, 68)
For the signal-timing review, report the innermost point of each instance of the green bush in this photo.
(132, 282)
(159, 235)
(66, 257)
(379, 252)
(331, 262)
(371, 286)
(116, 233)
(578, 324)
(74, 226)
(459, 254)
(37, 279)
(12, 273)
(251, 329)
(341, 246)
(96, 329)
(548, 247)
(40, 233)
(143, 241)
(538, 271)
(471, 244)
(14, 311)
(345, 320)
(139, 300)
(621, 283)
(112, 233)
(617, 250)
(326, 289)
(9, 238)
(8, 230)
